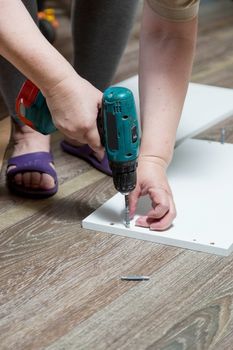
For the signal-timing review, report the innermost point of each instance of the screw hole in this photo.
(194, 240)
(212, 243)
(125, 117)
(129, 154)
(112, 223)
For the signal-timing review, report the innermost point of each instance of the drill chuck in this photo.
(124, 176)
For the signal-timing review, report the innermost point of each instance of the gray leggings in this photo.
(100, 31)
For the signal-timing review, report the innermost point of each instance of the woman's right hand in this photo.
(74, 104)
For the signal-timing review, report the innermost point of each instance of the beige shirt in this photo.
(175, 10)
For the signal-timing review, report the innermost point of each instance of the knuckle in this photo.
(173, 213)
(151, 191)
(166, 211)
(59, 125)
(65, 127)
(70, 130)
(164, 206)
(85, 127)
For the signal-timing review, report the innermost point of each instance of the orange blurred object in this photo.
(49, 15)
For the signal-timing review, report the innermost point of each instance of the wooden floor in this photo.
(60, 285)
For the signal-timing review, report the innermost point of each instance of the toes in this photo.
(18, 179)
(26, 179)
(47, 182)
(35, 179)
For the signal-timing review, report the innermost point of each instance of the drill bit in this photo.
(135, 278)
(127, 219)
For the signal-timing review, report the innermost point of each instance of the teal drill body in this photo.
(120, 125)
(35, 111)
(120, 135)
(117, 125)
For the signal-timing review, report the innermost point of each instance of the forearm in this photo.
(22, 44)
(166, 57)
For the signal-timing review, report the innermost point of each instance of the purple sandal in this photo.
(38, 162)
(86, 153)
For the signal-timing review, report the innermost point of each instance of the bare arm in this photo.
(22, 44)
(73, 102)
(166, 57)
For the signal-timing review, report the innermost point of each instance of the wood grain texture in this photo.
(5, 129)
(174, 310)
(60, 285)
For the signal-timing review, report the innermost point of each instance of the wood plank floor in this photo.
(60, 285)
(5, 130)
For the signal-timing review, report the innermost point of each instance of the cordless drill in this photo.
(117, 124)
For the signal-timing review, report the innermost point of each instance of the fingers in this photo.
(166, 221)
(144, 221)
(93, 140)
(160, 203)
(163, 212)
(133, 199)
(90, 136)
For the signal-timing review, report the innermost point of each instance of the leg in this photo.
(100, 33)
(25, 139)
(10, 78)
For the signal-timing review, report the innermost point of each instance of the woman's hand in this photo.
(74, 104)
(152, 181)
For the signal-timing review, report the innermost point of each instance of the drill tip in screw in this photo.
(223, 135)
(127, 218)
(127, 224)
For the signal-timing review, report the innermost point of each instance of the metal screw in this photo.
(223, 135)
(135, 278)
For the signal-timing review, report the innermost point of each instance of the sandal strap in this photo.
(36, 162)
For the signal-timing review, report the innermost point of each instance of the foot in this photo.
(26, 141)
